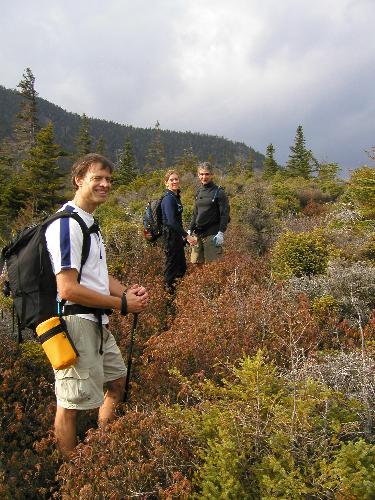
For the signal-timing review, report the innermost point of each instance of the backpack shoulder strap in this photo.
(85, 231)
(216, 194)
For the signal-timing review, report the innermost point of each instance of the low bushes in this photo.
(254, 435)
(362, 191)
(221, 315)
(350, 285)
(209, 414)
(28, 462)
(298, 254)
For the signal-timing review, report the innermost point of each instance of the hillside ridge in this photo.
(67, 125)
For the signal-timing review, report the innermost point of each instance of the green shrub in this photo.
(298, 254)
(325, 306)
(352, 473)
(219, 475)
(368, 249)
(254, 435)
(362, 191)
(286, 199)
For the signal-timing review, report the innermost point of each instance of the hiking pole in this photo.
(130, 352)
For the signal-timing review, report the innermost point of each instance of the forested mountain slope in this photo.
(67, 127)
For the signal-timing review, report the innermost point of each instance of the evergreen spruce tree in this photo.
(100, 147)
(126, 172)
(26, 126)
(27, 121)
(187, 162)
(13, 198)
(44, 179)
(270, 166)
(237, 167)
(156, 156)
(249, 165)
(301, 160)
(14, 150)
(328, 172)
(83, 140)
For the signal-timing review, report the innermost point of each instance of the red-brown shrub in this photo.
(27, 405)
(223, 311)
(142, 454)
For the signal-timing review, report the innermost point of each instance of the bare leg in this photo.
(112, 397)
(66, 430)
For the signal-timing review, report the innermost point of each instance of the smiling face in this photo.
(173, 183)
(93, 187)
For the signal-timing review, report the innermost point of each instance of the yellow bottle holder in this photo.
(56, 342)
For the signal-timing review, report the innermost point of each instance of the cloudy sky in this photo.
(248, 70)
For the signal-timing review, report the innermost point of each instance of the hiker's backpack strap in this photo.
(86, 231)
(215, 198)
(86, 244)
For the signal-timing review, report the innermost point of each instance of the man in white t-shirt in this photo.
(86, 299)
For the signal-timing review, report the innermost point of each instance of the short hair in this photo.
(205, 165)
(170, 172)
(82, 165)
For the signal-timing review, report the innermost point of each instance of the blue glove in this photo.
(219, 239)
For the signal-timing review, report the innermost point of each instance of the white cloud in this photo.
(249, 70)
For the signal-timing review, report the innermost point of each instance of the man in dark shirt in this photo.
(210, 218)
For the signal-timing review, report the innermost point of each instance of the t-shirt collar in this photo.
(80, 210)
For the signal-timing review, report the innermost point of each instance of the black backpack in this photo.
(153, 220)
(31, 280)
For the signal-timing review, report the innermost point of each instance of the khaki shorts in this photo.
(80, 387)
(205, 251)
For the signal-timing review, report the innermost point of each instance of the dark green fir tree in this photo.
(100, 146)
(126, 171)
(187, 162)
(83, 141)
(249, 165)
(6, 176)
(26, 125)
(44, 180)
(270, 166)
(301, 160)
(238, 167)
(155, 156)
